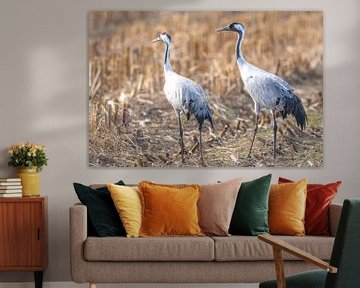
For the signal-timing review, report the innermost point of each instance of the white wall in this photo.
(43, 90)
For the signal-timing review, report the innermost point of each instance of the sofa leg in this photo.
(92, 285)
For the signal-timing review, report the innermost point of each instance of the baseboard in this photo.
(74, 285)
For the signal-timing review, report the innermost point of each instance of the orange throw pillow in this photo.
(169, 210)
(319, 197)
(287, 204)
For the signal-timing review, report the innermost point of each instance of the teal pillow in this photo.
(250, 216)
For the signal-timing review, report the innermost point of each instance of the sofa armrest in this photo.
(279, 246)
(284, 246)
(78, 235)
(334, 217)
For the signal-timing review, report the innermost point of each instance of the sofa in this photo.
(233, 259)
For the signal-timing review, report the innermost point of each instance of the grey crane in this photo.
(185, 96)
(266, 89)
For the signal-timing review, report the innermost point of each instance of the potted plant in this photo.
(30, 158)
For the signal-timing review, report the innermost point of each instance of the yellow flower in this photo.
(29, 154)
(11, 151)
(41, 147)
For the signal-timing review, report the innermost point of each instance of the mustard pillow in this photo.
(287, 204)
(169, 210)
(127, 201)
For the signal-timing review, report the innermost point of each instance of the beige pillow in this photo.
(216, 206)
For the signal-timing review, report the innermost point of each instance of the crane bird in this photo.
(266, 89)
(185, 96)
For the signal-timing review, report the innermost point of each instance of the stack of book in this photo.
(10, 187)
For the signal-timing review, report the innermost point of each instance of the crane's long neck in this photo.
(167, 65)
(238, 53)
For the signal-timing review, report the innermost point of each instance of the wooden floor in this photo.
(74, 285)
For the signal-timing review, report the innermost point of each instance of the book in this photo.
(10, 183)
(10, 180)
(10, 191)
(4, 195)
(10, 187)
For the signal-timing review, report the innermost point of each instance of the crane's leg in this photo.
(201, 146)
(181, 137)
(275, 131)
(255, 131)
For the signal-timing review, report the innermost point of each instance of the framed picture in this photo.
(205, 88)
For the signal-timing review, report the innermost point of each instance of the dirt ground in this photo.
(150, 137)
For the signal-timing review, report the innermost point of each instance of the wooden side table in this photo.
(23, 235)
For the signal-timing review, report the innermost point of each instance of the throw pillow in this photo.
(102, 215)
(250, 215)
(169, 210)
(287, 204)
(127, 201)
(216, 206)
(319, 197)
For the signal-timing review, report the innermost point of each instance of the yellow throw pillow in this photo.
(127, 201)
(287, 204)
(169, 210)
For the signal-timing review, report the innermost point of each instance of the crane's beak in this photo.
(226, 28)
(156, 39)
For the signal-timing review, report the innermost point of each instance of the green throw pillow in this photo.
(250, 216)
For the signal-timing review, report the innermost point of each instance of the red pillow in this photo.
(319, 197)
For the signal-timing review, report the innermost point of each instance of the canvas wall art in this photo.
(205, 89)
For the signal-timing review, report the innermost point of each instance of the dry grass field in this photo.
(131, 124)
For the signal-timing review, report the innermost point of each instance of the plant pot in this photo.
(30, 181)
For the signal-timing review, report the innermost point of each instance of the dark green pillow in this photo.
(103, 218)
(250, 216)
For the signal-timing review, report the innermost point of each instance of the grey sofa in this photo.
(234, 259)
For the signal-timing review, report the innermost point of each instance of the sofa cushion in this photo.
(216, 206)
(169, 210)
(149, 249)
(287, 204)
(244, 248)
(318, 199)
(250, 216)
(102, 216)
(127, 201)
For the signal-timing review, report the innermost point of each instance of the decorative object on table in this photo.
(131, 108)
(10, 187)
(30, 158)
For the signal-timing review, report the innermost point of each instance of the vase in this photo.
(30, 181)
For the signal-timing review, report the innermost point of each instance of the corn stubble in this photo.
(131, 124)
